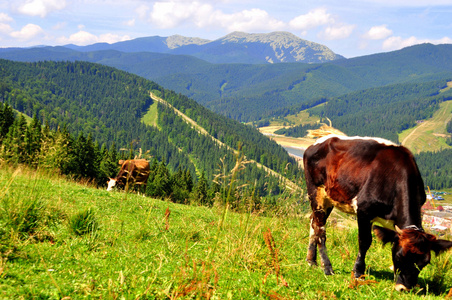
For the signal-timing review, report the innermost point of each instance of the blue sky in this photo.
(348, 27)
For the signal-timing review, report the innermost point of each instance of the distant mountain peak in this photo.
(286, 47)
(272, 37)
(176, 41)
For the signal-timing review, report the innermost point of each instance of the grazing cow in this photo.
(377, 181)
(133, 172)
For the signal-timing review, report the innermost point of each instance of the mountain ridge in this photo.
(236, 47)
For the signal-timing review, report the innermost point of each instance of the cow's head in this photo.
(411, 251)
(111, 184)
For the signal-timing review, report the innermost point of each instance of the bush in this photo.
(83, 222)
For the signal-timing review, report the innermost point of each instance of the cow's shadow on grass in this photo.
(425, 286)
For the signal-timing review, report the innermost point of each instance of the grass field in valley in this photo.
(141, 248)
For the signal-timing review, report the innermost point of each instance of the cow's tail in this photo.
(324, 130)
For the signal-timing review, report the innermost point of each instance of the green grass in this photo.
(151, 116)
(144, 248)
(431, 134)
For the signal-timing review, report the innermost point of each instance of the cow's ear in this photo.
(385, 235)
(439, 246)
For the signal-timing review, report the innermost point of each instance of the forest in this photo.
(106, 105)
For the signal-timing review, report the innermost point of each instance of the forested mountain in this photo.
(385, 111)
(248, 92)
(108, 105)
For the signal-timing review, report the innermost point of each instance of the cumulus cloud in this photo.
(378, 33)
(129, 23)
(4, 18)
(41, 7)
(248, 20)
(83, 38)
(314, 18)
(397, 42)
(172, 13)
(337, 32)
(4, 26)
(28, 32)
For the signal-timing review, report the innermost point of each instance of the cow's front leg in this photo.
(317, 238)
(364, 240)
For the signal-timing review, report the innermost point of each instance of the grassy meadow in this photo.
(66, 240)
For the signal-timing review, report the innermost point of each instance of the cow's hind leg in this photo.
(317, 236)
(365, 240)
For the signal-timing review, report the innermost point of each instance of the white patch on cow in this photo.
(311, 233)
(388, 224)
(354, 204)
(111, 184)
(348, 138)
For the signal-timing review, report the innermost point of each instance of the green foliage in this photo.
(83, 222)
(385, 111)
(297, 131)
(436, 169)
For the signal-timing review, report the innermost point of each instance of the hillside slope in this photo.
(146, 248)
(108, 104)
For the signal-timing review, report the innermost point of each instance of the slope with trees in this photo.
(107, 105)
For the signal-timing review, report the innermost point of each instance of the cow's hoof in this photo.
(312, 263)
(328, 271)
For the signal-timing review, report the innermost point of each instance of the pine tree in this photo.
(14, 147)
(200, 191)
(6, 120)
(33, 141)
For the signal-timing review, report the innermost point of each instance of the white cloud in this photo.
(83, 38)
(314, 18)
(4, 27)
(397, 42)
(408, 3)
(172, 14)
(59, 25)
(129, 23)
(27, 32)
(378, 33)
(41, 7)
(4, 18)
(246, 20)
(337, 32)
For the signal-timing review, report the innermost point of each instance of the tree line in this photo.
(81, 158)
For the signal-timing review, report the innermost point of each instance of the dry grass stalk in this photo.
(271, 245)
(324, 130)
(167, 214)
(197, 285)
(449, 295)
(357, 282)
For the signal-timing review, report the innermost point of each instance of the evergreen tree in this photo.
(14, 145)
(200, 191)
(6, 120)
(33, 141)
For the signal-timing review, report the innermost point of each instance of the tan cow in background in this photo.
(133, 172)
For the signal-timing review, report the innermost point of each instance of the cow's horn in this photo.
(399, 231)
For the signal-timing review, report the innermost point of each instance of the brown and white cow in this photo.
(132, 172)
(377, 181)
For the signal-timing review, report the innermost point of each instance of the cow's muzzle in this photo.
(401, 288)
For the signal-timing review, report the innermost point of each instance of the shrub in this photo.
(83, 222)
